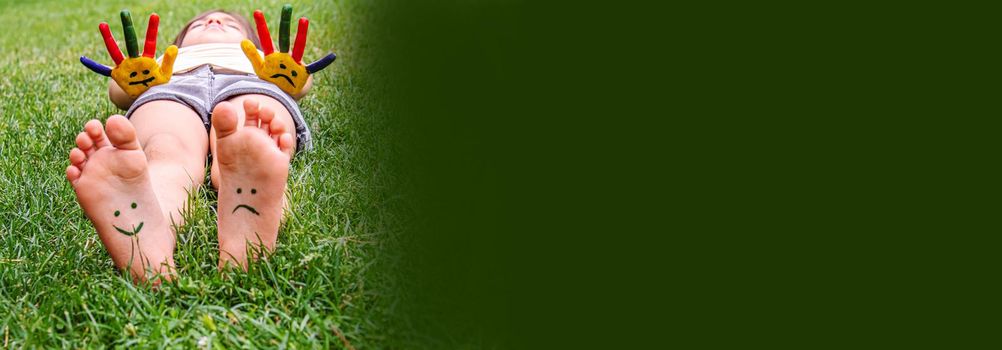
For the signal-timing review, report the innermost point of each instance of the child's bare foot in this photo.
(109, 175)
(253, 168)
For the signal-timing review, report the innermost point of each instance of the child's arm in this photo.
(118, 96)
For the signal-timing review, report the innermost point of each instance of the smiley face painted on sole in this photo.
(251, 209)
(135, 228)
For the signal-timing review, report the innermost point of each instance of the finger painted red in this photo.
(150, 49)
(300, 45)
(109, 42)
(262, 33)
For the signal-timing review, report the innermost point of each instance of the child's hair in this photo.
(241, 19)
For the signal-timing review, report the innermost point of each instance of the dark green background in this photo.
(622, 175)
(535, 138)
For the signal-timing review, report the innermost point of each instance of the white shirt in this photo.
(221, 56)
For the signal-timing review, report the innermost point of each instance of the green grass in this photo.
(57, 284)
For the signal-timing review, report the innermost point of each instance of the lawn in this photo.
(57, 285)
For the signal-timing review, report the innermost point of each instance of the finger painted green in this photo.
(131, 44)
(283, 28)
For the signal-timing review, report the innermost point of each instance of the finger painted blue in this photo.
(96, 67)
(321, 63)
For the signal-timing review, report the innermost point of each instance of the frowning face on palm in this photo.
(280, 69)
(284, 68)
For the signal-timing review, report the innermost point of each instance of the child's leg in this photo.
(133, 183)
(253, 141)
(109, 173)
(176, 145)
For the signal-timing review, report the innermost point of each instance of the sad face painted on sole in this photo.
(135, 228)
(253, 191)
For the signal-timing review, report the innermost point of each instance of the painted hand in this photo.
(280, 68)
(135, 74)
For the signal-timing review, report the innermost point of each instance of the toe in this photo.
(276, 129)
(77, 157)
(224, 119)
(72, 173)
(95, 131)
(121, 133)
(252, 109)
(267, 116)
(279, 131)
(85, 143)
(286, 144)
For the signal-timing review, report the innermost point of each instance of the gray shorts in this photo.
(202, 88)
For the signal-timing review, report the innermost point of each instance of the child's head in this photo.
(216, 26)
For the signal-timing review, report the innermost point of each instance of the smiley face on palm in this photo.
(280, 68)
(135, 74)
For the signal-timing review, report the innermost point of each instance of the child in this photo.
(132, 175)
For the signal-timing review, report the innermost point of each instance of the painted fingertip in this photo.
(110, 44)
(131, 44)
(300, 45)
(321, 63)
(284, 28)
(95, 67)
(150, 49)
(262, 33)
